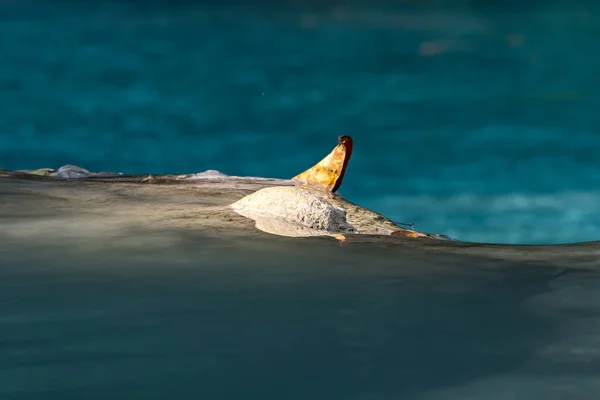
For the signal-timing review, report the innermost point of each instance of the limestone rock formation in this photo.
(292, 211)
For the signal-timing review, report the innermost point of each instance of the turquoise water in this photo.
(479, 122)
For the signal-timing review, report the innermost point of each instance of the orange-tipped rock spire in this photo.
(329, 172)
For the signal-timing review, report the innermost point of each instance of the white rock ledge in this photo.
(293, 211)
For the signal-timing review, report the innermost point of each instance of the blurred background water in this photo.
(474, 119)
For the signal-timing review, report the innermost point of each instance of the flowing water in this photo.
(475, 121)
(299, 323)
(187, 317)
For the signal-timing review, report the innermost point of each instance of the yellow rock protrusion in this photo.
(329, 172)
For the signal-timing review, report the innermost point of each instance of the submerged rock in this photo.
(76, 172)
(72, 171)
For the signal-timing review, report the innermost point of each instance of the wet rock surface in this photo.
(72, 172)
(277, 206)
(65, 172)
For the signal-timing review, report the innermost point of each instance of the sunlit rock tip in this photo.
(329, 173)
